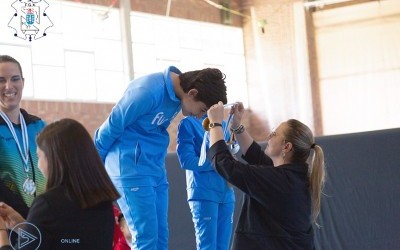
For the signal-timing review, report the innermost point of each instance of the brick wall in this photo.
(272, 61)
(92, 115)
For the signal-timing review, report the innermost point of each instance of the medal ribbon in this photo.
(24, 152)
(206, 140)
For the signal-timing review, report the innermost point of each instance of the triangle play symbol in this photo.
(25, 238)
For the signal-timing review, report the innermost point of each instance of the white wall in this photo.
(359, 66)
(81, 57)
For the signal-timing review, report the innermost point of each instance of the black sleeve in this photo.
(254, 180)
(255, 155)
(14, 200)
(35, 227)
(41, 216)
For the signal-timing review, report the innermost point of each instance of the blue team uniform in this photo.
(133, 144)
(211, 198)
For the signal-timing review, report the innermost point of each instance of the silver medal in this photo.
(233, 144)
(29, 186)
(234, 148)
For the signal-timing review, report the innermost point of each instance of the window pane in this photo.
(49, 82)
(80, 74)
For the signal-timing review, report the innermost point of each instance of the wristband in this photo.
(238, 130)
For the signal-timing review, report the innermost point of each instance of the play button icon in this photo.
(25, 236)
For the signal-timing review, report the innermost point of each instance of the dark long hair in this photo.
(74, 163)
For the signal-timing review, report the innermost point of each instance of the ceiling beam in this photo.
(325, 5)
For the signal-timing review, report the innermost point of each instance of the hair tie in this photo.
(313, 145)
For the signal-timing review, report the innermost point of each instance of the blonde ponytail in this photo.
(303, 143)
(317, 180)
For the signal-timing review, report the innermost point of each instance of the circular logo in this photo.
(25, 234)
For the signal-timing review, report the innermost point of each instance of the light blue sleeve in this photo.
(186, 148)
(134, 103)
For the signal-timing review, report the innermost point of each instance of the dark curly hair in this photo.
(209, 82)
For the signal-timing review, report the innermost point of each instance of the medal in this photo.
(29, 186)
(230, 142)
(233, 145)
(234, 148)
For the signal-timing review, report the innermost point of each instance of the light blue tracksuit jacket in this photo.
(133, 143)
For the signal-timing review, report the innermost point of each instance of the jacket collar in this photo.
(28, 118)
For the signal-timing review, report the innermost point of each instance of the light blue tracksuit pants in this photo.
(145, 209)
(213, 224)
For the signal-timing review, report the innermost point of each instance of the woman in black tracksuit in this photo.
(281, 191)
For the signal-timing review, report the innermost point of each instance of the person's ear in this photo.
(193, 92)
(288, 147)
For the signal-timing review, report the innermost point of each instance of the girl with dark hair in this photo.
(76, 210)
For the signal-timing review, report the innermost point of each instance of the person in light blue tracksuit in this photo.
(133, 143)
(211, 199)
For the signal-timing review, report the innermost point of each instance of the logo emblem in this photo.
(25, 234)
(30, 19)
(159, 118)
